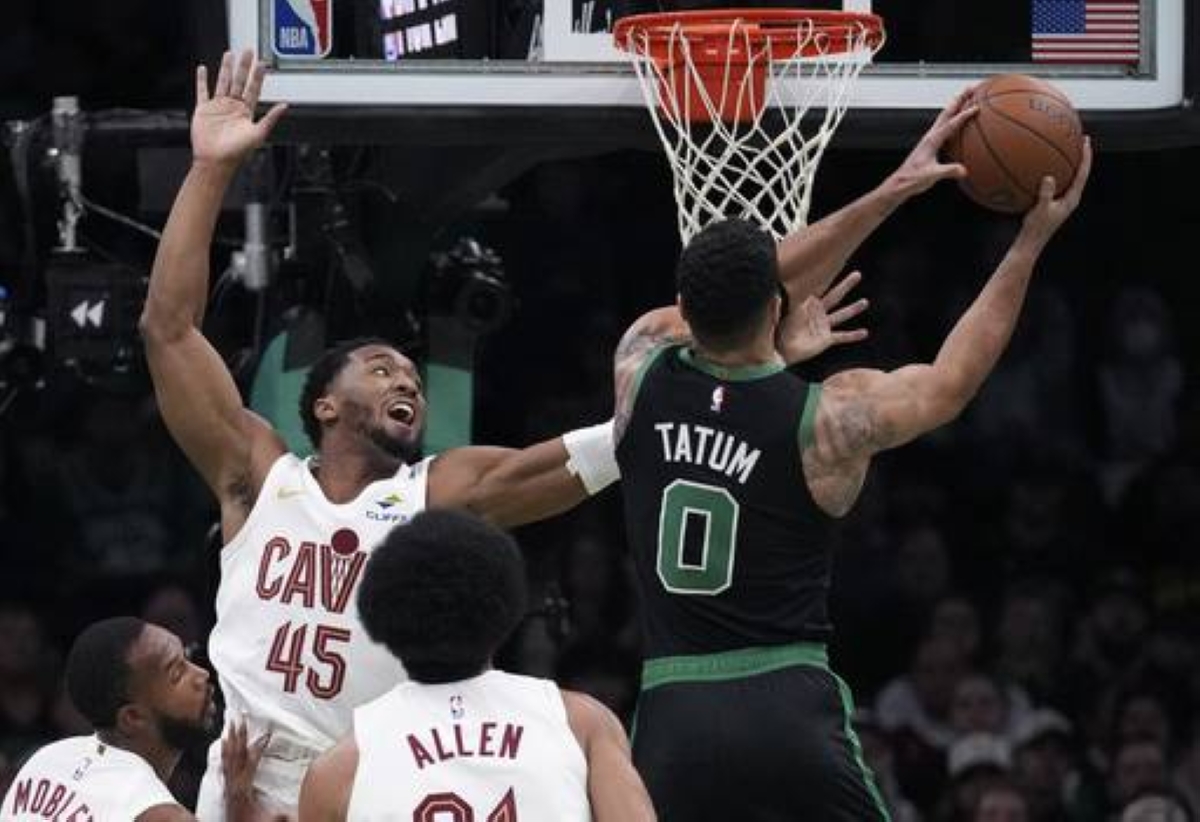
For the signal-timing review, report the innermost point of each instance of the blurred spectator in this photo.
(1156, 807)
(1034, 397)
(923, 572)
(1143, 713)
(125, 509)
(915, 710)
(532, 649)
(173, 607)
(880, 758)
(975, 763)
(1111, 631)
(1158, 513)
(1051, 524)
(1140, 381)
(916, 575)
(1001, 802)
(597, 583)
(921, 699)
(978, 706)
(28, 671)
(1046, 767)
(956, 619)
(607, 672)
(1029, 638)
(1138, 766)
(1186, 775)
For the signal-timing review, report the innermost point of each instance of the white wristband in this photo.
(592, 456)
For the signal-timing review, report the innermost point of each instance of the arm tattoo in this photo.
(853, 430)
(637, 343)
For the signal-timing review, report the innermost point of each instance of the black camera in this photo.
(468, 284)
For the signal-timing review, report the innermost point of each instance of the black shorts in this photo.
(756, 735)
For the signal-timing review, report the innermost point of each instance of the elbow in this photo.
(159, 327)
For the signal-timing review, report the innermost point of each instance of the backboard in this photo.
(425, 71)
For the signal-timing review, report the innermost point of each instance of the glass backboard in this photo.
(552, 62)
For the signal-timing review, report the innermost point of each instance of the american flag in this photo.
(1086, 31)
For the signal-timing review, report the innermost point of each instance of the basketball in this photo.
(1026, 129)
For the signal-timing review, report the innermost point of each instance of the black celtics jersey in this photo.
(730, 549)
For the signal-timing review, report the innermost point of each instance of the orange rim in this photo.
(808, 33)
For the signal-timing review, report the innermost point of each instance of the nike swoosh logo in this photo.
(288, 493)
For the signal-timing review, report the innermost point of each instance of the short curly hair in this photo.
(726, 277)
(442, 593)
(323, 372)
(98, 671)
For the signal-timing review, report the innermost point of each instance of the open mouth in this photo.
(402, 411)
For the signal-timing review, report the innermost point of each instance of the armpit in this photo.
(241, 491)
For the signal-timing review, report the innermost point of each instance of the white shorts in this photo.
(276, 784)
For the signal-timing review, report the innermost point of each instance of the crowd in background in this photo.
(1015, 597)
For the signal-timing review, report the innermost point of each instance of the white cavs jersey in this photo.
(81, 779)
(494, 748)
(288, 647)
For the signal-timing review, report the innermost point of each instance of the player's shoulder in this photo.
(589, 718)
(649, 334)
(66, 747)
(851, 380)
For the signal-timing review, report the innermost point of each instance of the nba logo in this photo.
(718, 399)
(301, 28)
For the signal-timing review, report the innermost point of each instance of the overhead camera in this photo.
(469, 284)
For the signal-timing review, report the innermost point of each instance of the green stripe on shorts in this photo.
(737, 664)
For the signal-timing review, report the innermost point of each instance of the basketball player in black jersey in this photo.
(733, 473)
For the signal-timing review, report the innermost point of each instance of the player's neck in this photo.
(160, 756)
(760, 351)
(343, 471)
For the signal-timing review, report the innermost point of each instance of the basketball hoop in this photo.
(709, 79)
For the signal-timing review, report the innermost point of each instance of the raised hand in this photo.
(223, 127)
(1049, 213)
(922, 167)
(811, 328)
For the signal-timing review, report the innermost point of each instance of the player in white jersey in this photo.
(461, 740)
(288, 649)
(146, 702)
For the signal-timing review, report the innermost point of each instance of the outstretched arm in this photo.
(196, 393)
(615, 790)
(514, 486)
(863, 412)
(325, 792)
(811, 257)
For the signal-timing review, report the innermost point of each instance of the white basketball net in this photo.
(759, 167)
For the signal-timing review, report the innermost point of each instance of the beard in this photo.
(187, 734)
(407, 450)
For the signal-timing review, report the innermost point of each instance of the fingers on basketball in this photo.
(1025, 129)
